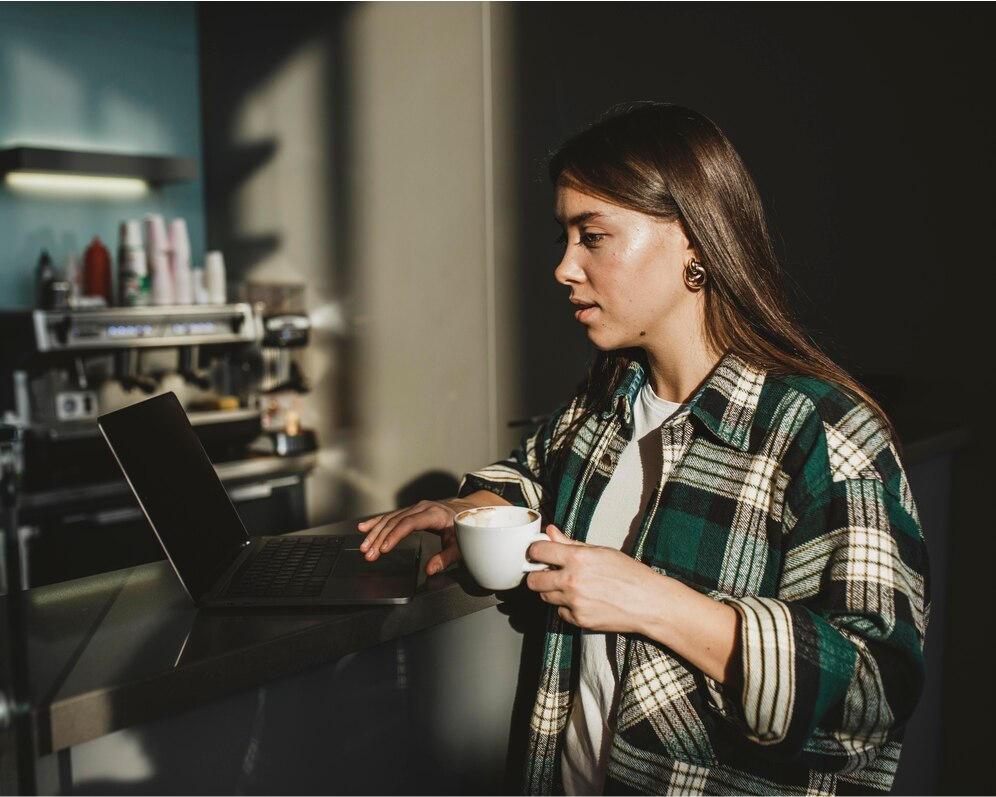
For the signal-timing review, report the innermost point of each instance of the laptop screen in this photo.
(177, 487)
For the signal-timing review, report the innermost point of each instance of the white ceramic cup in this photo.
(493, 541)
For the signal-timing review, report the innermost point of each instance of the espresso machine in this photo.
(61, 369)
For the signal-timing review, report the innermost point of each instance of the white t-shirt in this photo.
(615, 524)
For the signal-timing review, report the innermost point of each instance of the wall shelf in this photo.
(154, 169)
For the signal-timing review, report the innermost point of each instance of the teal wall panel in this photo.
(121, 77)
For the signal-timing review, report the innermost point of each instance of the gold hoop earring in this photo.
(695, 275)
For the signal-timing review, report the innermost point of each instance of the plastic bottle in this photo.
(97, 271)
(44, 277)
(180, 262)
(73, 274)
(133, 272)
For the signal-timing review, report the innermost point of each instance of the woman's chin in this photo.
(602, 340)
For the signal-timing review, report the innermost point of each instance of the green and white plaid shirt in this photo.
(785, 498)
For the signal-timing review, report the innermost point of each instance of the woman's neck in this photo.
(679, 366)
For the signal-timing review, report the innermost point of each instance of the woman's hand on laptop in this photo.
(385, 531)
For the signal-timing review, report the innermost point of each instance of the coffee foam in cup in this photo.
(488, 517)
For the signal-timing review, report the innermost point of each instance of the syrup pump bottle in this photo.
(97, 271)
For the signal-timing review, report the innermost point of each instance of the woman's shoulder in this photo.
(827, 400)
(835, 421)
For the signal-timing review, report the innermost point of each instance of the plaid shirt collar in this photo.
(725, 403)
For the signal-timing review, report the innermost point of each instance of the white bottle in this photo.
(179, 252)
(214, 277)
(72, 273)
(133, 272)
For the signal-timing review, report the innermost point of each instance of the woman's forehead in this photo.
(573, 206)
(569, 199)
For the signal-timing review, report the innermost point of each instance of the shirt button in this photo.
(606, 460)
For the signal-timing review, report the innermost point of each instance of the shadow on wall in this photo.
(429, 486)
(275, 87)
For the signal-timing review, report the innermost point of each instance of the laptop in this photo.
(216, 560)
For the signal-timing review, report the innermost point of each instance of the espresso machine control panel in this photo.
(61, 369)
(60, 330)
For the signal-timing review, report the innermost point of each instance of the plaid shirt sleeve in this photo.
(832, 667)
(524, 478)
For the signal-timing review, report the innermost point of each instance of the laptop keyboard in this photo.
(287, 567)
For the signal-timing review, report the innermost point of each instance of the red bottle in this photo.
(97, 271)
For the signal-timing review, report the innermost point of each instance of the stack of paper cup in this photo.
(179, 253)
(214, 277)
(157, 243)
(198, 286)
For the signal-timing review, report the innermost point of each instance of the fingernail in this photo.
(385, 547)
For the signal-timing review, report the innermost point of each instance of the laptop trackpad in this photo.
(351, 564)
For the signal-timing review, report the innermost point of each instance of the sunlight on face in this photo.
(624, 270)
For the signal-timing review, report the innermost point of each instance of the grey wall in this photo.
(347, 151)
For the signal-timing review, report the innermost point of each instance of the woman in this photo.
(738, 577)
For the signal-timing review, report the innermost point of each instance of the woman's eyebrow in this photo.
(579, 218)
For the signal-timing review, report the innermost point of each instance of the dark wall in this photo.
(867, 128)
(865, 135)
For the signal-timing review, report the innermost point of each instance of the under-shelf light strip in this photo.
(50, 183)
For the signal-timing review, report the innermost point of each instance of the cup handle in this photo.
(530, 565)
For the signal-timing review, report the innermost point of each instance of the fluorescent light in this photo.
(48, 183)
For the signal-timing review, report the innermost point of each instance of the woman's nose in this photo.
(568, 270)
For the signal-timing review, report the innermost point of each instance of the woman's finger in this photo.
(429, 518)
(376, 534)
(557, 535)
(544, 581)
(443, 559)
(369, 522)
(372, 524)
(549, 553)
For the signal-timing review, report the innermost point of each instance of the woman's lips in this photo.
(583, 314)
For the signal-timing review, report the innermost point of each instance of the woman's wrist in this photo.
(701, 629)
(474, 499)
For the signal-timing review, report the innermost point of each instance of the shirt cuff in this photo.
(767, 652)
(505, 481)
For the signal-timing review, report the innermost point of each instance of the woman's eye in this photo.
(591, 239)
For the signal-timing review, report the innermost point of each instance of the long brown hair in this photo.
(675, 164)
